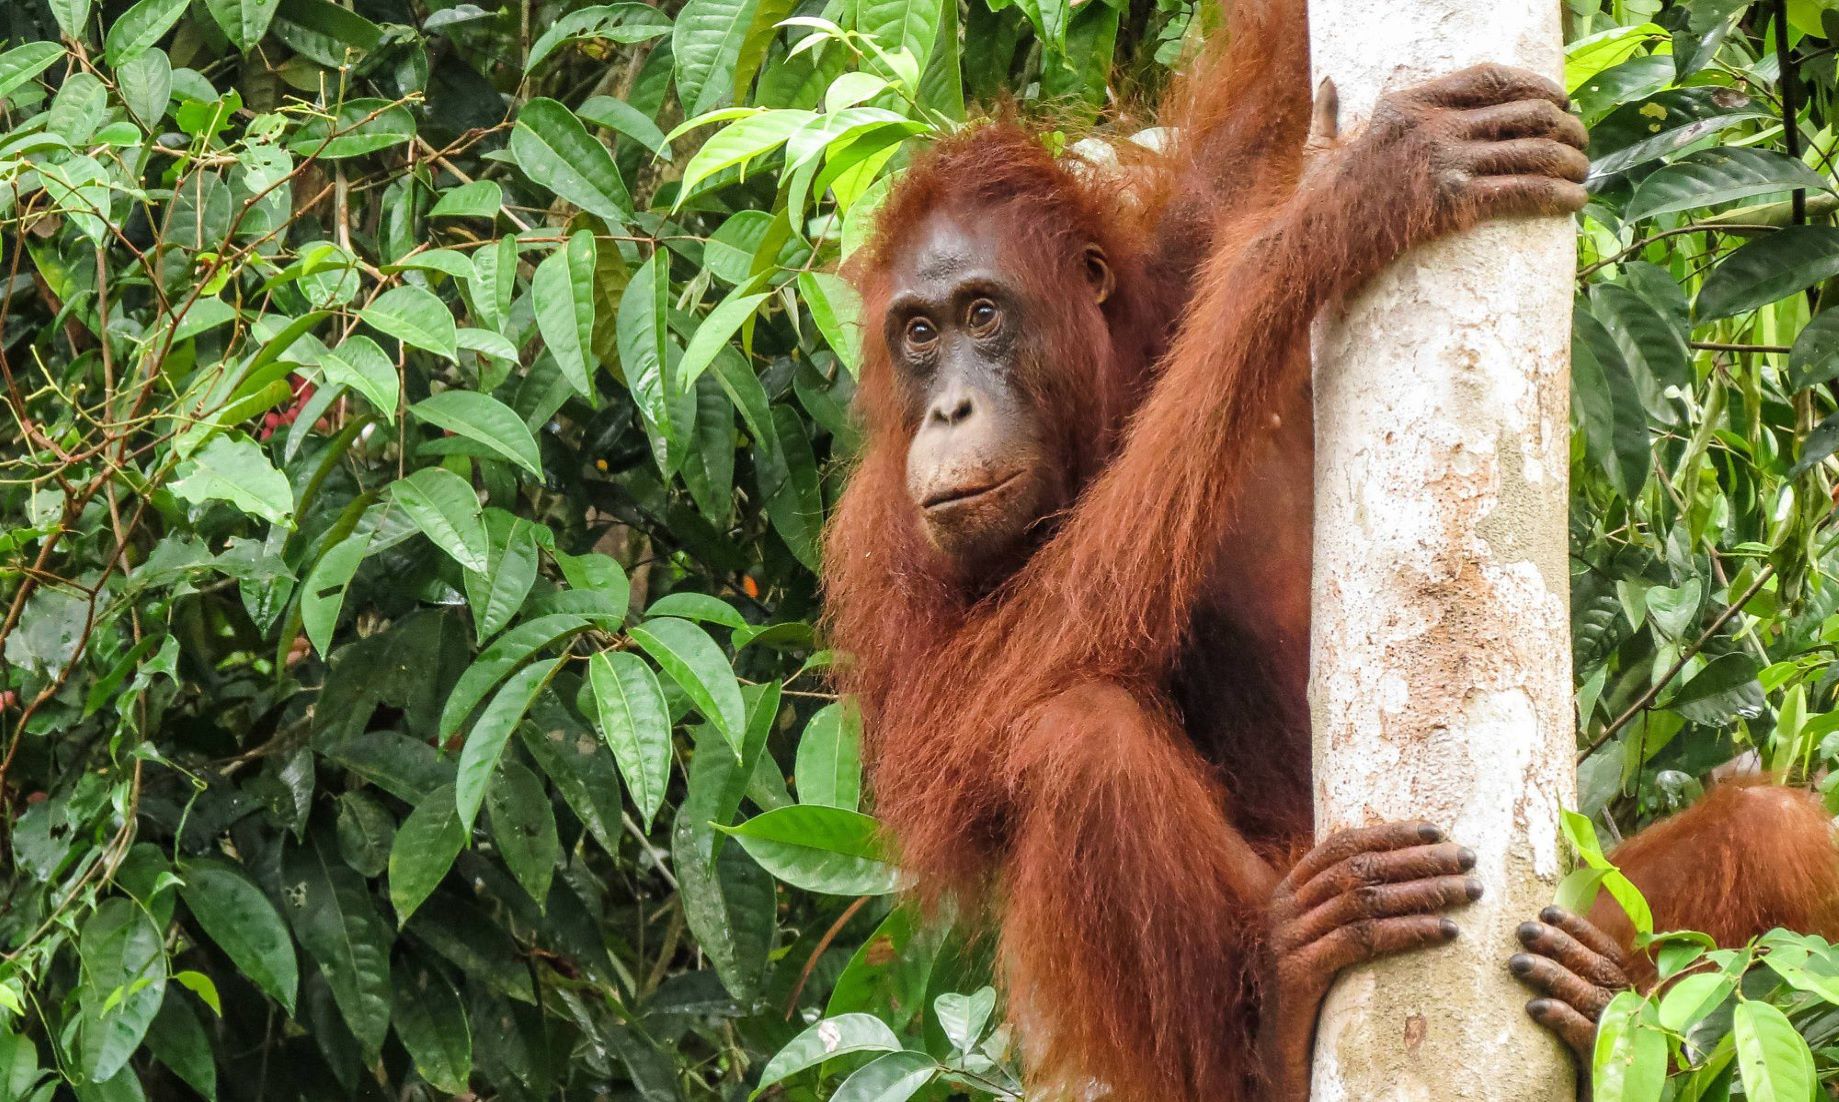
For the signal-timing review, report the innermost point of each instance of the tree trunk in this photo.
(1440, 682)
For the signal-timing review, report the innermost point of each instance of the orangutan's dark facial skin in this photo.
(980, 469)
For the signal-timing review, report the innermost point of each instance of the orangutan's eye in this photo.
(983, 315)
(921, 333)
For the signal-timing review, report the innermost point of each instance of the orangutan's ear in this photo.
(1098, 274)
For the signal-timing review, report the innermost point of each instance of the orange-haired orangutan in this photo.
(1071, 569)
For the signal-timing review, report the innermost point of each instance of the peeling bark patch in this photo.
(1415, 1029)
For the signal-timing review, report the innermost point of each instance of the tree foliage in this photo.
(421, 419)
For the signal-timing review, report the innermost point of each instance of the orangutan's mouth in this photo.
(959, 495)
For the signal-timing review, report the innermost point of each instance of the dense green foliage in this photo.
(417, 441)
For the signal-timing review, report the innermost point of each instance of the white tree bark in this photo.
(1440, 683)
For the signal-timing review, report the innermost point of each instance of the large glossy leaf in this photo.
(523, 827)
(557, 152)
(497, 594)
(496, 662)
(563, 293)
(178, 1040)
(617, 114)
(424, 849)
(445, 508)
(122, 981)
(330, 909)
(1725, 689)
(484, 744)
(1652, 343)
(643, 355)
(578, 764)
(1630, 1063)
(1814, 358)
(706, 44)
(740, 142)
(1718, 176)
(362, 366)
(829, 766)
(699, 667)
(414, 317)
(713, 335)
(1768, 269)
(239, 918)
(433, 1026)
(1771, 1056)
(894, 1077)
(623, 22)
(234, 468)
(1615, 425)
(483, 418)
(244, 22)
(636, 725)
(829, 1038)
(136, 31)
(820, 849)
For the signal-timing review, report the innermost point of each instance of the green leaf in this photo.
(483, 418)
(829, 1038)
(1630, 1063)
(706, 46)
(692, 659)
(362, 366)
(496, 662)
(1772, 1058)
(1768, 269)
(829, 767)
(244, 22)
(714, 334)
(22, 63)
(1720, 175)
(600, 575)
(962, 1017)
(484, 744)
(557, 152)
(235, 914)
(122, 981)
(643, 322)
(135, 32)
(523, 827)
(414, 317)
(365, 833)
(563, 293)
(498, 594)
(445, 508)
(145, 85)
(912, 25)
(626, 23)
(894, 1077)
(431, 1021)
(235, 469)
(479, 199)
(620, 116)
(1615, 424)
(585, 775)
(1814, 359)
(330, 909)
(72, 16)
(424, 849)
(178, 1040)
(361, 126)
(635, 722)
(1725, 689)
(322, 595)
(690, 605)
(739, 143)
(837, 310)
(1693, 997)
(788, 480)
(820, 849)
